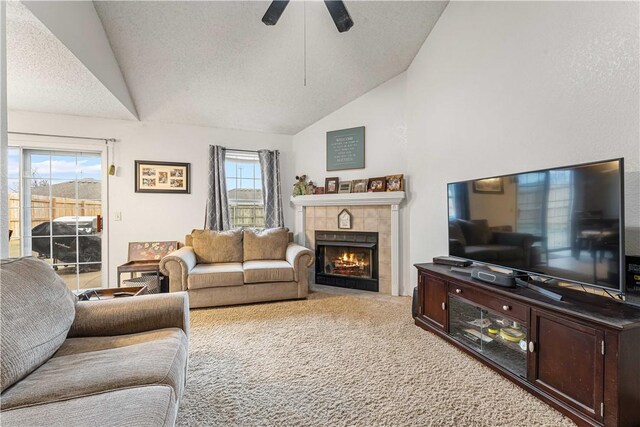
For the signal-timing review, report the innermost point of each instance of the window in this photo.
(13, 169)
(55, 211)
(244, 189)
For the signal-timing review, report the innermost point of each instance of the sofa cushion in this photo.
(90, 365)
(268, 244)
(217, 246)
(148, 406)
(36, 313)
(215, 275)
(267, 271)
(476, 232)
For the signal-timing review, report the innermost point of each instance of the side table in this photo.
(131, 267)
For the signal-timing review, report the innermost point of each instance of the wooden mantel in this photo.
(393, 199)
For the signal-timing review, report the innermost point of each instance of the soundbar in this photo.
(500, 279)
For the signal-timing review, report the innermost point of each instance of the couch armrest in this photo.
(300, 259)
(131, 315)
(177, 266)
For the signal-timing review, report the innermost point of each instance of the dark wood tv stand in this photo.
(580, 355)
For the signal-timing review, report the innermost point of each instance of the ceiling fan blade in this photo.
(274, 12)
(340, 15)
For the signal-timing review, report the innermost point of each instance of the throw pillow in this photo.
(268, 244)
(217, 246)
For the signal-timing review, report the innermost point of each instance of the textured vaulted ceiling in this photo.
(44, 76)
(216, 64)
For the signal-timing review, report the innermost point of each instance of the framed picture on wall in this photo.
(162, 177)
(488, 186)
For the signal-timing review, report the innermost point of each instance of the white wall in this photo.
(156, 216)
(497, 88)
(501, 87)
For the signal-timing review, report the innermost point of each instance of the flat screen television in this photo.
(564, 223)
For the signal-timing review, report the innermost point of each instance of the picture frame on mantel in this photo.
(377, 184)
(345, 187)
(331, 185)
(345, 149)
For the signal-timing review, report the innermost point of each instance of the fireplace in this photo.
(347, 259)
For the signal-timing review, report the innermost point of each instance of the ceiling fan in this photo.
(337, 10)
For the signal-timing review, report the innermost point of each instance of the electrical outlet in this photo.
(118, 216)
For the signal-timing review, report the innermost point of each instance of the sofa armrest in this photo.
(177, 266)
(300, 259)
(131, 315)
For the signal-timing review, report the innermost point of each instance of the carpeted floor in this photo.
(341, 358)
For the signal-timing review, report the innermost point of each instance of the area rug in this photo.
(341, 359)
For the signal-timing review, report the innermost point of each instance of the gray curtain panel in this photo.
(271, 193)
(217, 211)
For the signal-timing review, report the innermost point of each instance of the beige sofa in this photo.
(238, 266)
(89, 363)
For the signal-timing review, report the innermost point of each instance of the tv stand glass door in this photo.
(500, 339)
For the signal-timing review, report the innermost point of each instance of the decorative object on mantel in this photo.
(377, 184)
(344, 219)
(395, 183)
(345, 149)
(302, 187)
(345, 187)
(359, 185)
(319, 190)
(162, 177)
(331, 185)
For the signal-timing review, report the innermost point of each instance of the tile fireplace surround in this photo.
(373, 212)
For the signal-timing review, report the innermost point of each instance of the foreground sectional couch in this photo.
(238, 266)
(68, 363)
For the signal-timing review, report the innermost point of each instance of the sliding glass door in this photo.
(56, 212)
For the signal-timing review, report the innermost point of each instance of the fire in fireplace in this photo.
(347, 259)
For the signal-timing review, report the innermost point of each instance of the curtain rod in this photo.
(106, 140)
(243, 151)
